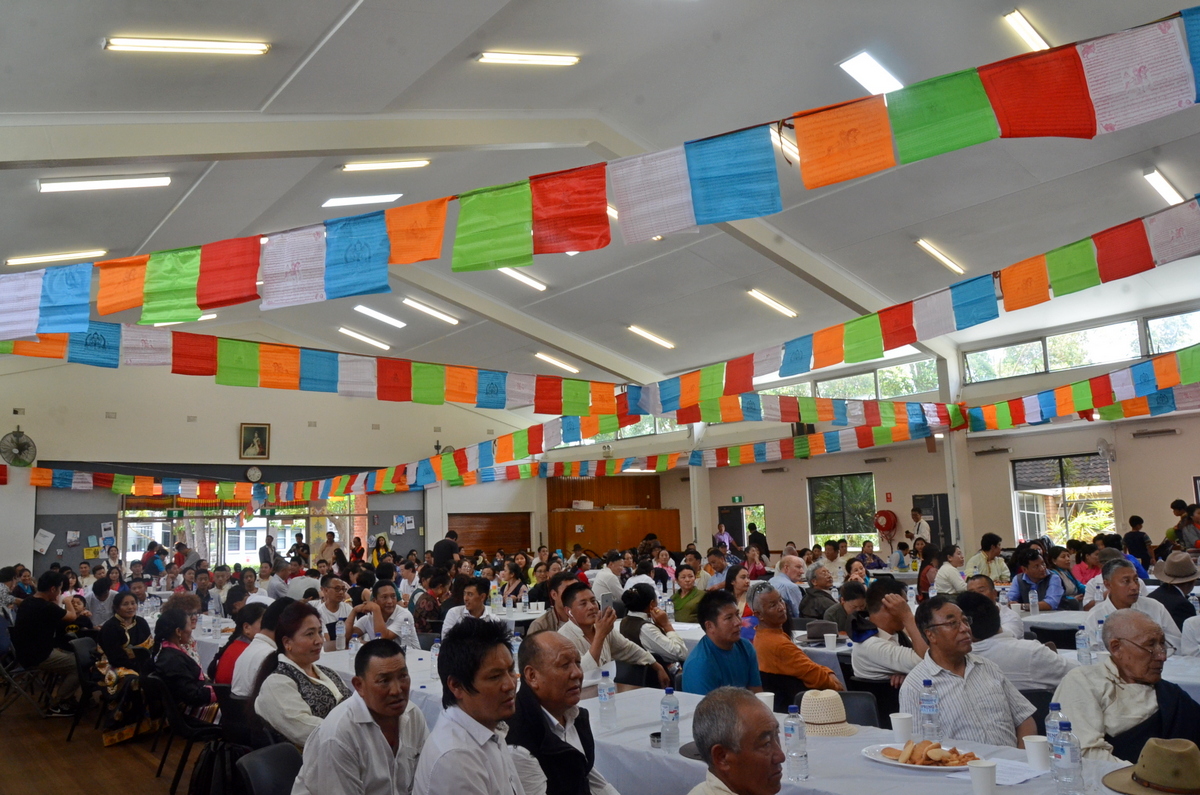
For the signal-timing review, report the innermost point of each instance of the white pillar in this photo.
(956, 457)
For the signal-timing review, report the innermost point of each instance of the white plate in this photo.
(875, 753)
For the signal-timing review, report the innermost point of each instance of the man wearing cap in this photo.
(1178, 576)
(1124, 589)
(1117, 704)
(737, 736)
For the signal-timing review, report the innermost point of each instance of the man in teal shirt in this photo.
(722, 657)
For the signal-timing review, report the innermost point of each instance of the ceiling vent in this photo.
(880, 460)
(994, 451)
(1154, 433)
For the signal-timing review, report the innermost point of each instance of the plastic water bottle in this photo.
(931, 719)
(1053, 718)
(525, 601)
(669, 712)
(1004, 597)
(1195, 602)
(339, 634)
(1035, 605)
(795, 746)
(835, 593)
(434, 651)
(1068, 767)
(608, 701)
(670, 609)
(1098, 638)
(1083, 646)
(932, 590)
(516, 647)
(912, 596)
(352, 645)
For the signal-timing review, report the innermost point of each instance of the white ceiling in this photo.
(653, 73)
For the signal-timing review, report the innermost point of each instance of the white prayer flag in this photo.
(652, 194)
(293, 268)
(1033, 409)
(710, 458)
(519, 389)
(1174, 233)
(356, 376)
(473, 458)
(767, 361)
(20, 304)
(552, 433)
(854, 412)
(145, 346)
(1122, 384)
(774, 453)
(1187, 397)
(933, 315)
(81, 481)
(189, 489)
(650, 402)
(848, 439)
(770, 408)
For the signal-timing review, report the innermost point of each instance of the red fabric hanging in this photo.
(535, 433)
(1123, 251)
(547, 395)
(739, 375)
(193, 354)
(1041, 94)
(866, 437)
(897, 325)
(1016, 409)
(570, 210)
(393, 379)
(1102, 391)
(687, 415)
(228, 270)
(789, 408)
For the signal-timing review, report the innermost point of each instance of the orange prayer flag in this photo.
(469, 478)
(747, 453)
(48, 346)
(816, 443)
(900, 432)
(689, 389)
(415, 231)
(242, 492)
(731, 411)
(504, 448)
(436, 463)
(462, 384)
(41, 476)
(844, 141)
(1136, 407)
(1064, 400)
(828, 346)
(1025, 284)
(143, 486)
(278, 366)
(1166, 371)
(989, 417)
(824, 409)
(121, 282)
(604, 398)
(589, 426)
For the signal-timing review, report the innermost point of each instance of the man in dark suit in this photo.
(757, 539)
(267, 553)
(1178, 575)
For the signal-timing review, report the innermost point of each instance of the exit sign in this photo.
(736, 499)
(174, 514)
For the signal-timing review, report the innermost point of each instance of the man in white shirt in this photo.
(148, 604)
(245, 670)
(408, 580)
(608, 579)
(85, 575)
(1010, 620)
(550, 736)
(1124, 589)
(368, 744)
(474, 605)
(592, 635)
(791, 571)
(383, 617)
(298, 586)
(989, 560)
(738, 738)
(466, 752)
(220, 583)
(334, 611)
(897, 647)
(328, 547)
(1028, 664)
(829, 560)
(696, 561)
(277, 587)
(920, 528)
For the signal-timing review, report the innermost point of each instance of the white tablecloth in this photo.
(1183, 671)
(1058, 619)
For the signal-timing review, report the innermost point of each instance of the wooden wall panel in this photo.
(605, 530)
(639, 490)
(490, 531)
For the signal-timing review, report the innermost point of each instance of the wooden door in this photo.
(490, 531)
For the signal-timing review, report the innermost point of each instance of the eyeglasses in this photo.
(964, 621)
(1163, 647)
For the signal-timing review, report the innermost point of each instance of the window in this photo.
(842, 506)
(665, 425)
(802, 389)
(908, 379)
(852, 387)
(643, 427)
(1063, 497)
(1101, 345)
(1172, 333)
(1005, 362)
(233, 541)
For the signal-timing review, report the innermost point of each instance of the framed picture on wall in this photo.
(255, 439)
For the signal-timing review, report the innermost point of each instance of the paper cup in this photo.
(902, 727)
(1037, 752)
(830, 640)
(983, 776)
(768, 699)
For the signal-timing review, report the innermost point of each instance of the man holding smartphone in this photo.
(590, 630)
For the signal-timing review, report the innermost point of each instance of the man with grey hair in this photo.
(1124, 592)
(738, 738)
(791, 571)
(777, 654)
(1120, 702)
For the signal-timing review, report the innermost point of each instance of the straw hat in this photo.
(1163, 766)
(824, 714)
(1178, 567)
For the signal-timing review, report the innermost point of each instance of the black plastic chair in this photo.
(271, 770)
(887, 698)
(235, 723)
(883, 575)
(1061, 638)
(83, 649)
(426, 640)
(187, 729)
(787, 689)
(1041, 703)
(861, 707)
(637, 675)
(17, 681)
(679, 681)
(620, 609)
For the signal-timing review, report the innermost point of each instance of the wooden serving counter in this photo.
(618, 529)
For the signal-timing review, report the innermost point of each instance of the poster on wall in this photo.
(42, 540)
(72, 538)
(107, 534)
(90, 553)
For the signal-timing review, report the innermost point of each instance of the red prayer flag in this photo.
(871, 416)
(512, 473)
(102, 480)
(789, 408)
(460, 460)
(1016, 410)
(4, 475)
(1123, 251)
(228, 270)
(866, 437)
(1102, 391)
(787, 448)
(624, 418)
(393, 379)
(897, 324)
(570, 210)
(1041, 94)
(207, 490)
(547, 395)
(739, 375)
(722, 456)
(193, 354)
(535, 439)
(687, 414)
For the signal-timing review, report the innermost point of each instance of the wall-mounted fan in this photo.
(18, 449)
(1105, 449)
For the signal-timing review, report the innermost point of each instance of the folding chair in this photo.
(16, 680)
(188, 729)
(83, 648)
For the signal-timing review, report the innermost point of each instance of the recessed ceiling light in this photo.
(430, 311)
(347, 201)
(572, 253)
(125, 44)
(369, 312)
(521, 277)
(870, 74)
(557, 363)
(1164, 188)
(1026, 31)
(786, 144)
(657, 238)
(612, 212)
(65, 256)
(771, 302)
(528, 59)
(385, 166)
(177, 322)
(383, 346)
(939, 256)
(102, 183)
(657, 340)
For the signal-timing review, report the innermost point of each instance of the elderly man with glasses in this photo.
(1124, 592)
(977, 703)
(1119, 703)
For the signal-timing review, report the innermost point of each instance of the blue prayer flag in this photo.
(974, 301)
(570, 429)
(356, 255)
(490, 391)
(318, 371)
(170, 486)
(1145, 382)
(975, 419)
(797, 356)
(733, 176)
(1161, 402)
(486, 457)
(696, 458)
(833, 441)
(66, 293)
(760, 452)
(668, 394)
(1191, 26)
(326, 487)
(1048, 404)
(425, 474)
(62, 478)
(916, 414)
(487, 475)
(751, 406)
(99, 345)
(839, 412)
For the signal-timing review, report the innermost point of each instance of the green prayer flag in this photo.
(735, 456)
(387, 486)
(526, 471)
(863, 339)
(169, 292)
(1111, 412)
(225, 491)
(520, 444)
(660, 465)
(609, 423)
(808, 409)
(710, 410)
(122, 484)
(940, 115)
(1003, 416)
(1073, 267)
(576, 397)
(887, 414)
(495, 228)
(237, 363)
(428, 383)
(455, 481)
(1189, 365)
(800, 447)
(1081, 394)
(881, 436)
(449, 468)
(6, 346)
(611, 466)
(956, 415)
(712, 381)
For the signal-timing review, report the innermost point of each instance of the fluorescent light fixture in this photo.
(771, 302)
(347, 201)
(385, 166)
(572, 253)
(528, 59)
(657, 238)
(64, 256)
(102, 183)
(1021, 25)
(642, 471)
(786, 144)
(612, 212)
(521, 277)
(557, 363)
(657, 340)
(177, 322)
(1164, 188)
(939, 256)
(429, 310)
(870, 74)
(125, 44)
(383, 346)
(382, 318)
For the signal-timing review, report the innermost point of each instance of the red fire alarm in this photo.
(888, 496)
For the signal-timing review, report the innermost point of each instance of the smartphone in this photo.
(606, 602)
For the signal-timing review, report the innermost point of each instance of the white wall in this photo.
(18, 502)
